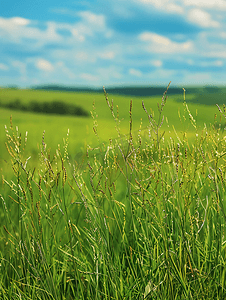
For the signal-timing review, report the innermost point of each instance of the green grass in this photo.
(143, 217)
(81, 128)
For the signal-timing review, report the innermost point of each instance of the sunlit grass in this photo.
(143, 217)
(81, 129)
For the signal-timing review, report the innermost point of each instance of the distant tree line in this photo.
(139, 91)
(54, 107)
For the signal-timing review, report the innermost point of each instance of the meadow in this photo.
(128, 205)
(81, 128)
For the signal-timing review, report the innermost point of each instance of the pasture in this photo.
(120, 209)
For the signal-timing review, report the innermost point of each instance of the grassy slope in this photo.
(81, 132)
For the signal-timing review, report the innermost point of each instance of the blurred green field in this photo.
(81, 128)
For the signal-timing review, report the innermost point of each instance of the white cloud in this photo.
(165, 5)
(201, 18)
(3, 67)
(20, 21)
(196, 14)
(12, 26)
(98, 21)
(135, 72)
(174, 8)
(12, 23)
(91, 23)
(16, 29)
(156, 63)
(153, 37)
(79, 33)
(160, 44)
(209, 4)
(89, 52)
(179, 6)
(44, 65)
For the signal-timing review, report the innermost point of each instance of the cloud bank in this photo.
(115, 43)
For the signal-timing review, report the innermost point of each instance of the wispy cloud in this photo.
(44, 65)
(194, 11)
(165, 4)
(160, 44)
(180, 6)
(90, 25)
(115, 42)
(210, 4)
(202, 18)
(17, 29)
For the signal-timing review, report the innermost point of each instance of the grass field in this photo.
(143, 217)
(81, 128)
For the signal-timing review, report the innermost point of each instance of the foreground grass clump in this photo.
(139, 219)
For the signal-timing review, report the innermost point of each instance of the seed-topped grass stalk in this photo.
(142, 217)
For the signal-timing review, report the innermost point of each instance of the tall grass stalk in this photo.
(139, 219)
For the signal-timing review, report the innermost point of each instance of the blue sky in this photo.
(120, 42)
